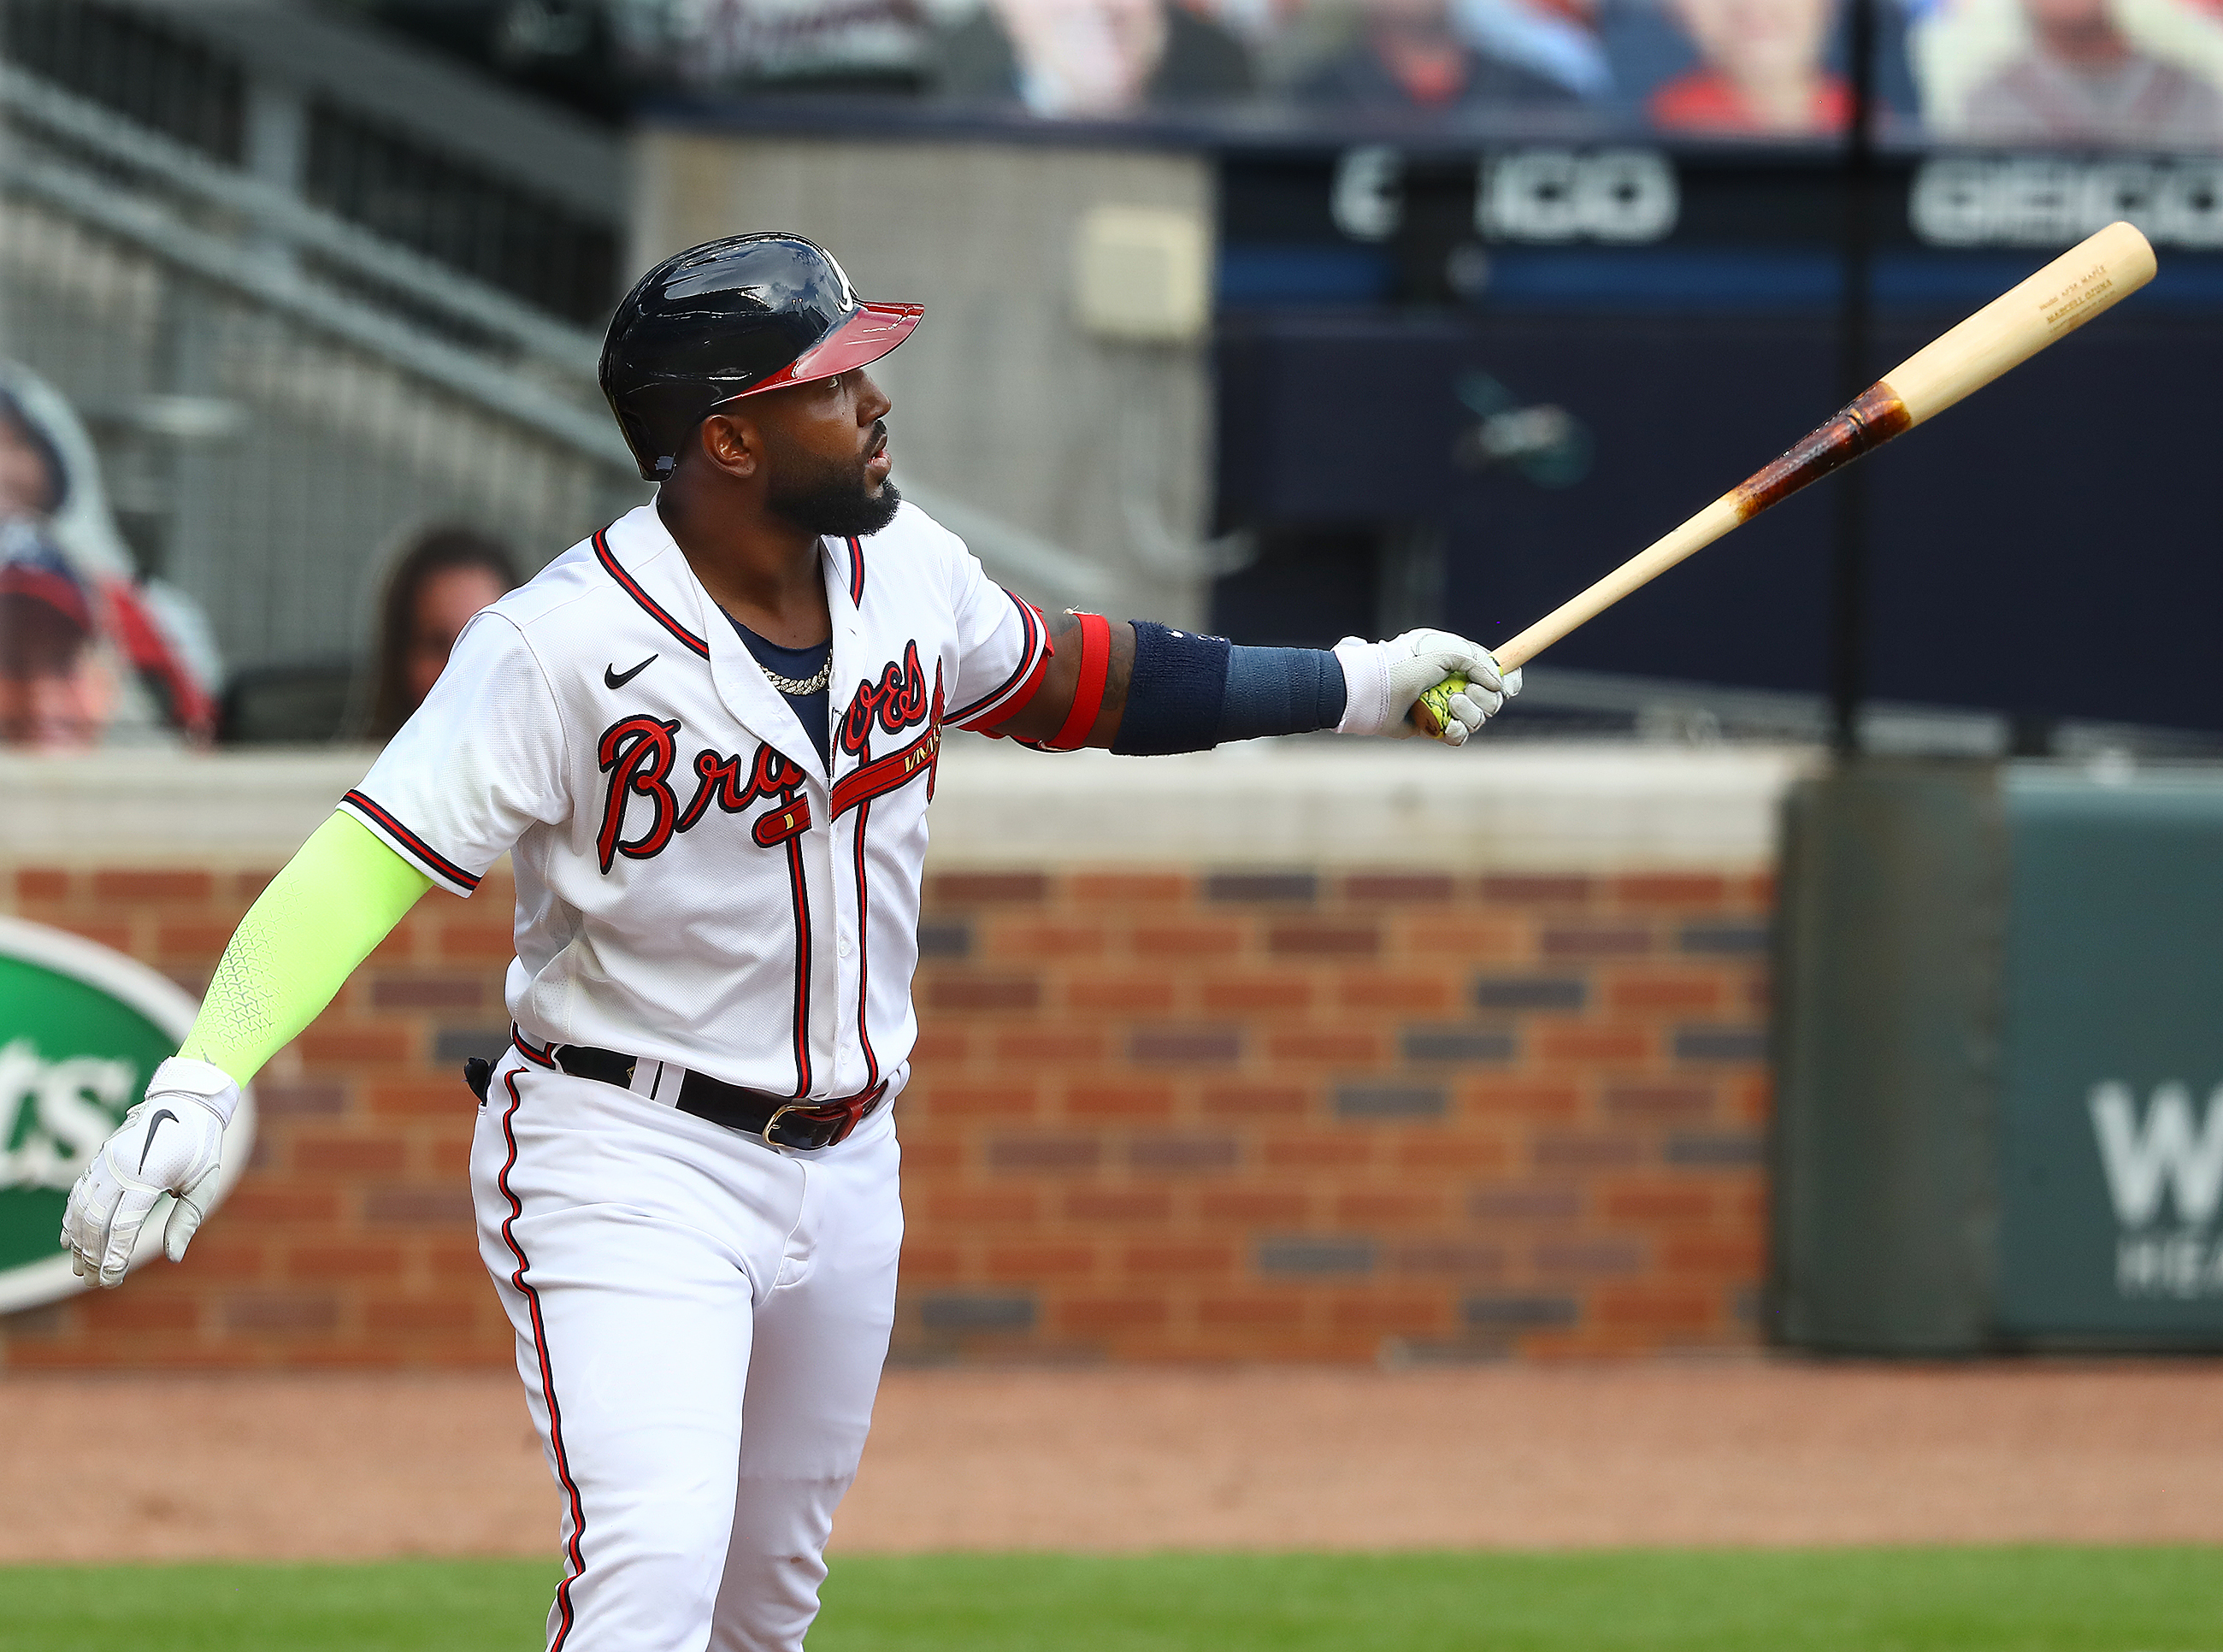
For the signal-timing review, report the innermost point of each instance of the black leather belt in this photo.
(780, 1119)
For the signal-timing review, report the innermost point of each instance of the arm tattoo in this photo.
(1045, 715)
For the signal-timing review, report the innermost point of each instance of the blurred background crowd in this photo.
(2009, 71)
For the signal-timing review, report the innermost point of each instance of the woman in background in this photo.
(441, 578)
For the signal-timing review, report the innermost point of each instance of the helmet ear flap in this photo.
(657, 421)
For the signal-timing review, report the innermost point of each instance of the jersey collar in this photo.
(638, 552)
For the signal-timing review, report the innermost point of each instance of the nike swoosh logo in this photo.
(612, 678)
(165, 1116)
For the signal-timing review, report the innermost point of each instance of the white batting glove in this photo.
(1381, 679)
(170, 1142)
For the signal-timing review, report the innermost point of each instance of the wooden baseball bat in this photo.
(2092, 276)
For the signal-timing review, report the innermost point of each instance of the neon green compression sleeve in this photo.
(335, 900)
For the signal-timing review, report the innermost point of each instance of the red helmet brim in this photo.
(871, 333)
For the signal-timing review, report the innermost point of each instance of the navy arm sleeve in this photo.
(1187, 693)
(1281, 691)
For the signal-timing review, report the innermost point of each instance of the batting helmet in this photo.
(731, 318)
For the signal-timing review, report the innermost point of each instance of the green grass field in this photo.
(1873, 1600)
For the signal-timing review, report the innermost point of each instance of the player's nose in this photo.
(872, 403)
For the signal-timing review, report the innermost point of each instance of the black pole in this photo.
(1848, 566)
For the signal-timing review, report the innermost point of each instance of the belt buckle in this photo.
(805, 1108)
(850, 1114)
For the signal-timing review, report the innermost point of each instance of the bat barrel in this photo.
(2088, 280)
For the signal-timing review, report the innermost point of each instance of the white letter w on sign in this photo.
(2169, 1152)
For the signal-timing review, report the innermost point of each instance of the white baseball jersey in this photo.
(692, 885)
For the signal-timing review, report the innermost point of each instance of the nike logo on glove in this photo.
(165, 1116)
(612, 678)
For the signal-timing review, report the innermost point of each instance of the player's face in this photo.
(826, 455)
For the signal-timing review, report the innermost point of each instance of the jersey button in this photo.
(844, 947)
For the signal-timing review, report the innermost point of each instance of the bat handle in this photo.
(1430, 713)
(1663, 553)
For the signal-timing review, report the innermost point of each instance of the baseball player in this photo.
(707, 737)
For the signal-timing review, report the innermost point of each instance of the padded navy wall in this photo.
(2049, 546)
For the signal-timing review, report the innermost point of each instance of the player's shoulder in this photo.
(913, 553)
(554, 597)
(565, 581)
(914, 531)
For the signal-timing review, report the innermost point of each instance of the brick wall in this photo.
(1157, 1114)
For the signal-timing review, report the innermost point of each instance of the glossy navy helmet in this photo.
(731, 318)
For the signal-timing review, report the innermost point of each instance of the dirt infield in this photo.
(1733, 1452)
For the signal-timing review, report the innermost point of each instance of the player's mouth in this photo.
(878, 463)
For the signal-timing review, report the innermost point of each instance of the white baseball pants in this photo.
(701, 1324)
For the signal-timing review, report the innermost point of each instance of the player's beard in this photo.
(830, 497)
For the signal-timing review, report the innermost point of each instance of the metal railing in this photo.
(468, 309)
(280, 395)
(471, 174)
(142, 66)
(523, 354)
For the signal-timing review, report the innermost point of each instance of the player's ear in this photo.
(732, 442)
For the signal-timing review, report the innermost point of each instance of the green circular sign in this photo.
(82, 1029)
